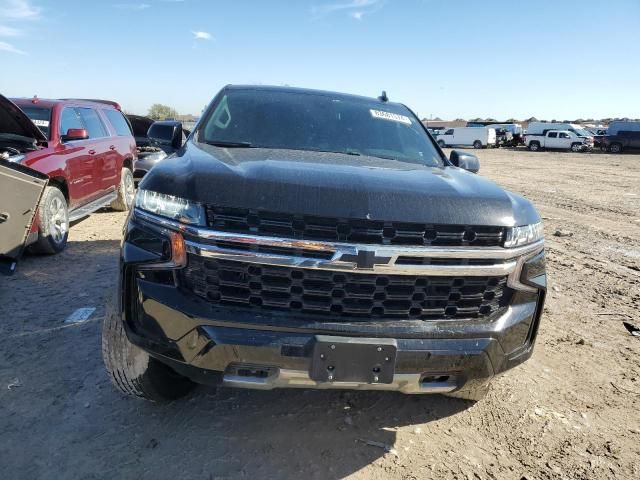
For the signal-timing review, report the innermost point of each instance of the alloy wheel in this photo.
(58, 220)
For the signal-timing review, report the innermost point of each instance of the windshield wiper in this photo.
(222, 143)
(351, 152)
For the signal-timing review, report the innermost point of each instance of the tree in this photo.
(157, 111)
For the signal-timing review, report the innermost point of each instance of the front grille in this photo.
(305, 227)
(339, 294)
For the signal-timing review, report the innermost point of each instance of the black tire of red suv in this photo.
(126, 191)
(53, 217)
(132, 370)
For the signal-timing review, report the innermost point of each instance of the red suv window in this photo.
(92, 123)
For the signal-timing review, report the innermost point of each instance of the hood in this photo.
(336, 185)
(14, 121)
(140, 125)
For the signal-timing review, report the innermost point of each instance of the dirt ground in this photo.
(572, 411)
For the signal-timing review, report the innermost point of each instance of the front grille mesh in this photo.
(339, 294)
(305, 227)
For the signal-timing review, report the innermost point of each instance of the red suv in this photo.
(87, 150)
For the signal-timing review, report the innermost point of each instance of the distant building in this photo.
(440, 124)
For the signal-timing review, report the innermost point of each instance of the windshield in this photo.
(581, 132)
(40, 116)
(318, 122)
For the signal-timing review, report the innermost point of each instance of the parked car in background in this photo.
(312, 239)
(540, 128)
(85, 148)
(598, 136)
(512, 133)
(515, 133)
(559, 140)
(162, 139)
(621, 136)
(140, 126)
(20, 192)
(476, 137)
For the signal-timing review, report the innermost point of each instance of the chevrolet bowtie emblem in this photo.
(365, 259)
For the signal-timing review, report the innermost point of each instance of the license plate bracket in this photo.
(359, 360)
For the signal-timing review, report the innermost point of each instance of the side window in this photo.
(553, 134)
(69, 119)
(564, 135)
(449, 132)
(92, 123)
(118, 122)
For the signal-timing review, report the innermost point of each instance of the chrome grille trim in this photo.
(201, 241)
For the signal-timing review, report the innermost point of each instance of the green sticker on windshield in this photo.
(394, 117)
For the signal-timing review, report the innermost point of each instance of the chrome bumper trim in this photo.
(283, 378)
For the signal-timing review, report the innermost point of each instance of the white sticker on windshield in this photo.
(41, 123)
(394, 117)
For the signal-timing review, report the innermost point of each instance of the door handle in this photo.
(92, 152)
(112, 147)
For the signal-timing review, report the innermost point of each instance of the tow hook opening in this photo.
(250, 371)
(438, 380)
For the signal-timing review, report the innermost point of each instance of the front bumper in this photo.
(237, 347)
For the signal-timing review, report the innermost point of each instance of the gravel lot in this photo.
(572, 411)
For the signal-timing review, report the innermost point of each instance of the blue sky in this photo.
(454, 58)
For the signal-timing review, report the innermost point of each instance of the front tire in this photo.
(615, 148)
(576, 147)
(477, 144)
(126, 192)
(53, 215)
(132, 370)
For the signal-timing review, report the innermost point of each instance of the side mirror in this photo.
(166, 133)
(465, 160)
(75, 134)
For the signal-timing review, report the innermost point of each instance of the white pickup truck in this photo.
(560, 140)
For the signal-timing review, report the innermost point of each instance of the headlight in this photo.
(518, 236)
(155, 157)
(176, 208)
(14, 158)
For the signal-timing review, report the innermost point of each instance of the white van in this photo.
(476, 137)
(541, 128)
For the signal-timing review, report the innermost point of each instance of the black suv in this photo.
(312, 239)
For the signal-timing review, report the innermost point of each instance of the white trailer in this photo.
(476, 137)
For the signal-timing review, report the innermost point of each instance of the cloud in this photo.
(356, 9)
(132, 6)
(12, 13)
(201, 35)
(18, 10)
(6, 31)
(7, 47)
